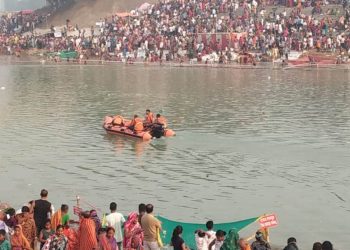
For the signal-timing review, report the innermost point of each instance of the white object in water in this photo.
(2, 88)
(269, 77)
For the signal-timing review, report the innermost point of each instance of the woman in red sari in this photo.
(72, 237)
(102, 240)
(87, 234)
(133, 233)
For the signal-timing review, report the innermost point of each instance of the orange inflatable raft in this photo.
(118, 125)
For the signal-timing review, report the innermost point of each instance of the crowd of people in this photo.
(36, 223)
(195, 30)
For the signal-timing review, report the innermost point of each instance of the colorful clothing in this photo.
(20, 242)
(5, 245)
(231, 241)
(72, 238)
(116, 220)
(28, 227)
(103, 242)
(45, 236)
(112, 243)
(59, 219)
(133, 233)
(87, 235)
(150, 224)
(56, 242)
(97, 221)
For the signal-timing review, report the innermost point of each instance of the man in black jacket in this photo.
(291, 244)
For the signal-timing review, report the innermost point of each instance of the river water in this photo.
(248, 142)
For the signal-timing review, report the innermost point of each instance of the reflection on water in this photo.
(123, 144)
(248, 142)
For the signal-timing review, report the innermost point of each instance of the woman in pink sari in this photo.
(133, 233)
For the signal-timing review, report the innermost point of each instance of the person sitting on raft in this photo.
(136, 124)
(149, 118)
(160, 120)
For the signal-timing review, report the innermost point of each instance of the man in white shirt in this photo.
(116, 220)
(210, 234)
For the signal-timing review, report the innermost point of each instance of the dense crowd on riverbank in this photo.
(195, 30)
(37, 224)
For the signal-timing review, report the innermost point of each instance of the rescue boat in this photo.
(118, 125)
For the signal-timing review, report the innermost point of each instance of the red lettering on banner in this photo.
(268, 221)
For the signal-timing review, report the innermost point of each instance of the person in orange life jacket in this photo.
(160, 120)
(136, 121)
(149, 117)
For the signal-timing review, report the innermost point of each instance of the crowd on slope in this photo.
(195, 29)
(36, 223)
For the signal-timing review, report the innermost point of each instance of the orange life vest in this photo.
(135, 121)
(138, 127)
(161, 120)
(118, 120)
(149, 118)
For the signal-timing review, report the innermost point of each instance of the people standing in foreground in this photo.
(142, 211)
(102, 240)
(42, 211)
(201, 240)
(46, 233)
(327, 245)
(116, 220)
(87, 234)
(61, 217)
(151, 227)
(231, 241)
(317, 246)
(4, 244)
(112, 242)
(176, 240)
(291, 244)
(57, 241)
(243, 244)
(210, 233)
(96, 219)
(133, 233)
(218, 241)
(260, 243)
(18, 240)
(28, 225)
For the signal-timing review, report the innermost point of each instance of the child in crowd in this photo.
(112, 242)
(218, 241)
(46, 233)
(4, 244)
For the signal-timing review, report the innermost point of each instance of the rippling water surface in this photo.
(248, 142)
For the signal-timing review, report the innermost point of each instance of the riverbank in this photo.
(34, 60)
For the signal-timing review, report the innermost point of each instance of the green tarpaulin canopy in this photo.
(64, 54)
(189, 229)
